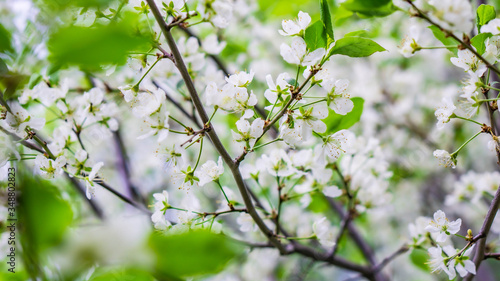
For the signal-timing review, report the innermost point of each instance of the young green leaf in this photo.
(5, 40)
(484, 14)
(336, 122)
(192, 253)
(90, 48)
(316, 36)
(326, 18)
(370, 8)
(479, 42)
(355, 47)
(45, 215)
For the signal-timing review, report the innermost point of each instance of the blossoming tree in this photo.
(166, 140)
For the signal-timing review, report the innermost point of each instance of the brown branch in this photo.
(179, 62)
(467, 45)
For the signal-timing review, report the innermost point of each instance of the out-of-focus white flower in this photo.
(291, 27)
(454, 15)
(337, 96)
(445, 159)
(18, 119)
(219, 12)
(156, 125)
(443, 226)
(297, 53)
(210, 171)
(324, 232)
(89, 181)
(417, 230)
(161, 206)
(211, 45)
(409, 45)
(147, 103)
(444, 112)
(332, 191)
(246, 223)
(493, 27)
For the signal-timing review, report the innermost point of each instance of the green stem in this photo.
(145, 74)
(491, 88)
(177, 121)
(311, 103)
(213, 114)
(199, 155)
(467, 119)
(178, 132)
(437, 47)
(221, 189)
(463, 145)
(184, 210)
(262, 145)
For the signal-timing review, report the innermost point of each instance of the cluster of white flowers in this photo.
(233, 96)
(472, 186)
(442, 258)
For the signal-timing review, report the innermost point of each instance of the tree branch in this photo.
(179, 62)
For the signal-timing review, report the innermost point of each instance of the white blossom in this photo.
(337, 96)
(49, 168)
(493, 27)
(210, 171)
(161, 206)
(335, 145)
(89, 180)
(444, 112)
(212, 46)
(443, 226)
(409, 45)
(469, 63)
(297, 53)
(445, 159)
(291, 27)
(248, 133)
(324, 232)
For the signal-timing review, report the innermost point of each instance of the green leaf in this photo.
(326, 18)
(316, 36)
(5, 40)
(90, 48)
(192, 253)
(336, 122)
(370, 8)
(484, 14)
(357, 33)
(34, 79)
(45, 215)
(319, 203)
(419, 258)
(446, 40)
(355, 47)
(478, 42)
(120, 274)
